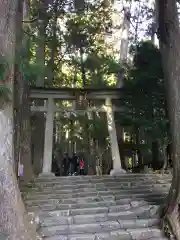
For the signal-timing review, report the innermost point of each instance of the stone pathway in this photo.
(99, 208)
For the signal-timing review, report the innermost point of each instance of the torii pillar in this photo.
(117, 167)
(48, 141)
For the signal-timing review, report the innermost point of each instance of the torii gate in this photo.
(52, 94)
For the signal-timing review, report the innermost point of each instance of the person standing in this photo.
(66, 164)
(75, 162)
(81, 166)
(71, 167)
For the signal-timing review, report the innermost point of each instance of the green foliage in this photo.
(78, 44)
(86, 28)
(86, 44)
(32, 71)
(98, 128)
(145, 105)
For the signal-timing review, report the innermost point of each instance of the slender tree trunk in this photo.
(25, 148)
(41, 43)
(99, 159)
(165, 159)
(138, 152)
(166, 146)
(123, 58)
(13, 217)
(22, 129)
(38, 134)
(38, 142)
(88, 142)
(53, 44)
(155, 155)
(18, 92)
(169, 35)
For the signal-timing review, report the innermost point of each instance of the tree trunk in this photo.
(125, 30)
(18, 92)
(38, 134)
(165, 159)
(53, 44)
(99, 160)
(17, 100)
(155, 155)
(41, 43)
(22, 129)
(13, 217)
(169, 35)
(25, 148)
(138, 148)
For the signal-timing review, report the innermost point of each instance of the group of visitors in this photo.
(73, 165)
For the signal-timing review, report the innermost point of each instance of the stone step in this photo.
(64, 206)
(93, 191)
(108, 204)
(127, 182)
(133, 184)
(124, 202)
(87, 200)
(103, 236)
(98, 186)
(100, 234)
(91, 207)
(97, 196)
(113, 212)
(101, 217)
(79, 178)
(79, 229)
(104, 177)
(112, 236)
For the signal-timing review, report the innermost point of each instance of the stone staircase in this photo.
(94, 208)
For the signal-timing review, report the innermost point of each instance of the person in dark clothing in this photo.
(169, 155)
(71, 167)
(66, 164)
(75, 162)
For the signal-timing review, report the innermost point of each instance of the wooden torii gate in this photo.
(50, 95)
